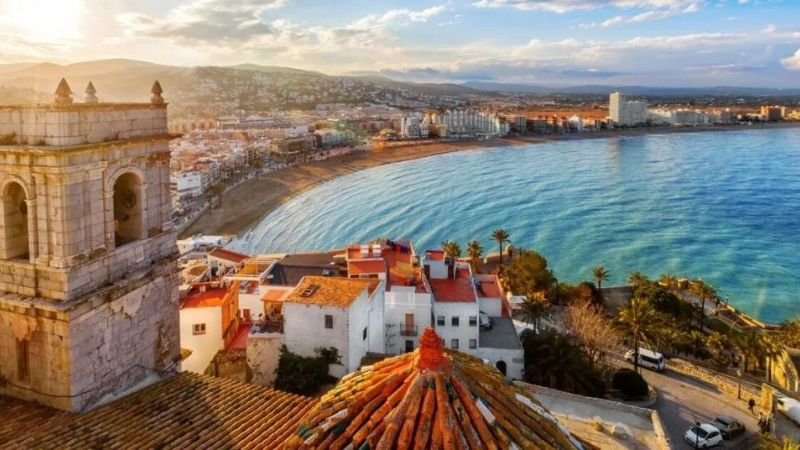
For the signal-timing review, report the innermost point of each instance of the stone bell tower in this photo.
(88, 276)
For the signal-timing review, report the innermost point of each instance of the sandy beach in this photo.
(244, 206)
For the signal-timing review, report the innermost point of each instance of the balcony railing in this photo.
(408, 330)
(266, 326)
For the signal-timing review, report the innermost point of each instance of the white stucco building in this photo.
(343, 313)
(458, 299)
(407, 310)
(624, 111)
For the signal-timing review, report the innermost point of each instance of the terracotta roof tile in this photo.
(431, 398)
(329, 291)
(187, 411)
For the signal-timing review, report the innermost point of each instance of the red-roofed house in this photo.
(407, 306)
(459, 299)
(208, 322)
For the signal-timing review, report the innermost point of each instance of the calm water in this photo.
(721, 206)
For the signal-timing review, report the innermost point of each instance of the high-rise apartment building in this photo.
(626, 112)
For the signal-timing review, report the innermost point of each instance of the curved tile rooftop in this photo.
(431, 398)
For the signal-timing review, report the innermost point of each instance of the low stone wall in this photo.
(600, 402)
(726, 384)
(648, 414)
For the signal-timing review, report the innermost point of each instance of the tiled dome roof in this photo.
(430, 398)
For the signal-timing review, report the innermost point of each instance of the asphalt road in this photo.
(683, 400)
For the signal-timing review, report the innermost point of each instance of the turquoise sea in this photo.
(722, 206)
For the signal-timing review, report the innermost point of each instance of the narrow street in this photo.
(683, 400)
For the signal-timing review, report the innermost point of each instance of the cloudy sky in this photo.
(553, 42)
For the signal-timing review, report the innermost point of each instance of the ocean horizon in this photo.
(717, 206)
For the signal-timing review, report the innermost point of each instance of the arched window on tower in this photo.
(127, 209)
(15, 239)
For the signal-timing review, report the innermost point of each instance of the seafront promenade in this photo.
(245, 205)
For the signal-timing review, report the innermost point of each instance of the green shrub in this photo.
(305, 374)
(630, 383)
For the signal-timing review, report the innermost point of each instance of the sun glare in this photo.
(47, 20)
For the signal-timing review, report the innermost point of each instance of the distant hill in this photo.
(211, 90)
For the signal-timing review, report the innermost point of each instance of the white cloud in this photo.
(646, 16)
(562, 6)
(206, 21)
(792, 62)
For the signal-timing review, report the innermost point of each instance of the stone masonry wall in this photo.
(263, 352)
(726, 384)
(48, 333)
(81, 123)
(101, 345)
(116, 344)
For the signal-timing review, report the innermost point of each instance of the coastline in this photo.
(247, 204)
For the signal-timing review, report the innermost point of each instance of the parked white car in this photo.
(648, 359)
(704, 435)
(789, 407)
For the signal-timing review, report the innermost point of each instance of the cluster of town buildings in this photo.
(624, 110)
(374, 298)
(95, 320)
(455, 123)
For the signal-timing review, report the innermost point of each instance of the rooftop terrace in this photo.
(458, 289)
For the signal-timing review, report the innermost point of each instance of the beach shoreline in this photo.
(244, 206)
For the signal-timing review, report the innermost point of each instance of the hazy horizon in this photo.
(664, 43)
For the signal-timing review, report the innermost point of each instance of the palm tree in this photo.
(790, 332)
(532, 311)
(451, 249)
(600, 275)
(705, 291)
(668, 280)
(637, 279)
(216, 191)
(771, 348)
(749, 346)
(475, 251)
(501, 236)
(639, 321)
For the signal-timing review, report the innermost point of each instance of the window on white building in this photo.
(199, 328)
(454, 343)
(454, 321)
(473, 321)
(473, 343)
(439, 321)
(365, 333)
(328, 321)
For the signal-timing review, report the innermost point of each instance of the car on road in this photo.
(789, 407)
(728, 427)
(703, 435)
(648, 359)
